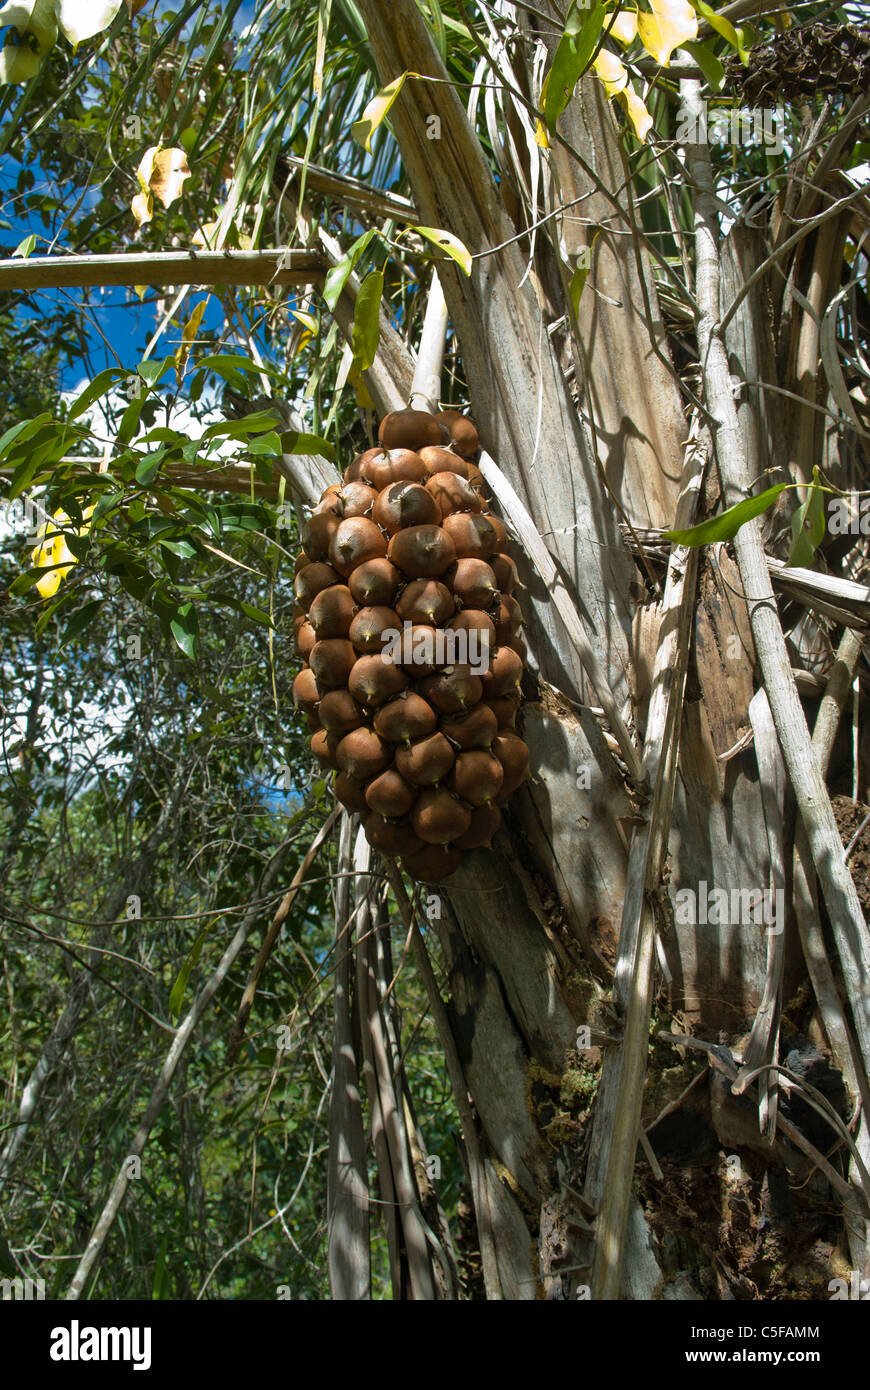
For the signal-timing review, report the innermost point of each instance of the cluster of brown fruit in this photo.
(409, 631)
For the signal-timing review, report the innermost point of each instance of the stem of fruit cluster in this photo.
(426, 386)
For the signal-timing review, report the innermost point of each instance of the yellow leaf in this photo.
(669, 25)
(612, 72)
(188, 338)
(169, 171)
(52, 549)
(142, 208)
(449, 243)
(363, 129)
(624, 27)
(204, 236)
(637, 113)
(541, 137)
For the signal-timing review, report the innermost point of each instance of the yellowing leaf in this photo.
(52, 549)
(671, 22)
(169, 171)
(161, 174)
(541, 137)
(612, 72)
(624, 27)
(81, 19)
(637, 113)
(204, 236)
(36, 25)
(363, 129)
(142, 208)
(188, 338)
(449, 243)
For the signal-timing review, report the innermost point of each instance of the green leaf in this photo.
(80, 620)
(25, 247)
(45, 618)
(571, 59)
(449, 243)
(227, 364)
(256, 423)
(725, 526)
(147, 470)
(293, 442)
(707, 61)
(176, 995)
(340, 273)
(578, 280)
(255, 614)
(184, 627)
(366, 321)
(101, 383)
(151, 372)
(23, 430)
(808, 525)
(719, 23)
(363, 129)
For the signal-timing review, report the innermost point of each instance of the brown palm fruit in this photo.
(355, 499)
(421, 552)
(404, 504)
(332, 661)
(453, 494)
(351, 793)
(329, 501)
(505, 571)
(475, 729)
(408, 717)
(505, 710)
(312, 579)
(437, 460)
(391, 837)
(354, 471)
(474, 536)
(485, 821)
(305, 639)
(476, 776)
(306, 691)
(317, 534)
(395, 466)
(438, 817)
(425, 761)
(454, 689)
(324, 746)
(339, 712)
(354, 541)
(331, 612)
(390, 795)
(363, 755)
(462, 432)
(409, 429)
(375, 680)
(504, 674)
(473, 583)
(423, 651)
(405, 616)
(477, 480)
(375, 583)
(513, 755)
(425, 601)
(473, 620)
(433, 863)
(508, 618)
(368, 629)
